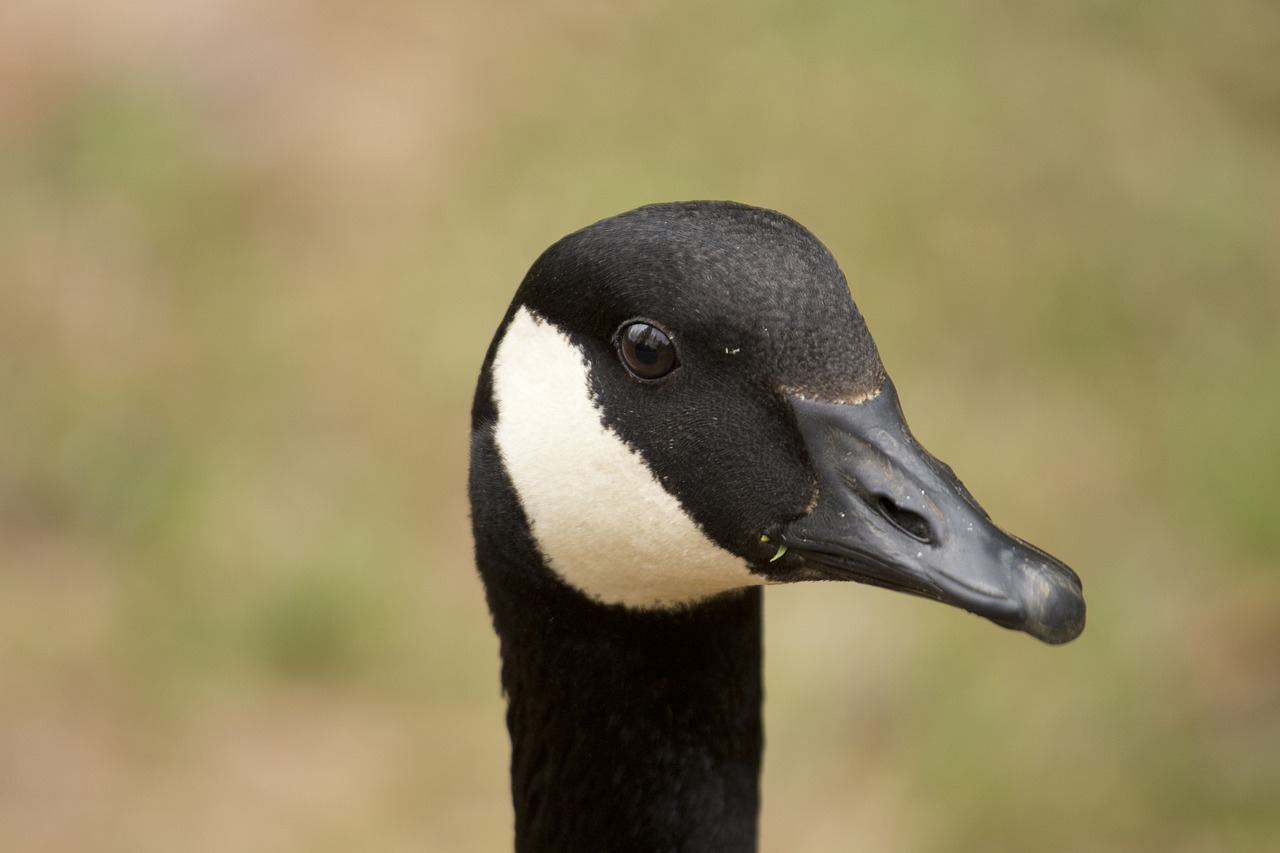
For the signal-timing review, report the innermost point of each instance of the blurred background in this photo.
(251, 255)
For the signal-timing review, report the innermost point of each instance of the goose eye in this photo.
(646, 350)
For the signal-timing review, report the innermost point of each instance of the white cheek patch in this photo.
(601, 519)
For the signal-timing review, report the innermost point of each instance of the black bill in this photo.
(890, 514)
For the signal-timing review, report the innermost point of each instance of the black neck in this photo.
(634, 731)
(629, 730)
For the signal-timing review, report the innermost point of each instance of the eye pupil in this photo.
(646, 350)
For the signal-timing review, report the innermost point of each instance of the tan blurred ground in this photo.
(250, 257)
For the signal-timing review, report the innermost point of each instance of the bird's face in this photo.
(688, 402)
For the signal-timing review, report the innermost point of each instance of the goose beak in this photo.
(888, 513)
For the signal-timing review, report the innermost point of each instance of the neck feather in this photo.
(636, 731)
(630, 730)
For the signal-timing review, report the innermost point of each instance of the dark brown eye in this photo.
(646, 350)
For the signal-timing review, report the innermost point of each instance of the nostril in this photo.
(911, 523)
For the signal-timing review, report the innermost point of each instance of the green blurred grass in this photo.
(249, 263)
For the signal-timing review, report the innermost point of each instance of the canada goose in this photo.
(681, 405)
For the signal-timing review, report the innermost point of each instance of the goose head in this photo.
(685, 402)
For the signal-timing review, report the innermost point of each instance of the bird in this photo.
(682, 405)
